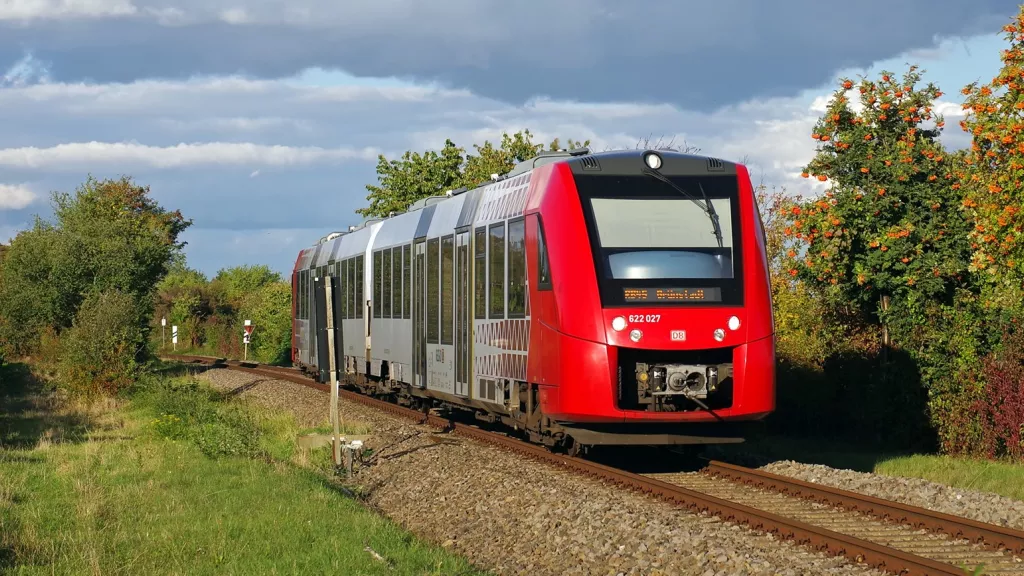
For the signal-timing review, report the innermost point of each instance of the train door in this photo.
(441, 314)
(419, 312)
(462, 314)
(311, 328)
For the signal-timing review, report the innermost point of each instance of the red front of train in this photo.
(649, 291)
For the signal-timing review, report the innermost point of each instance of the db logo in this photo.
(678, 335)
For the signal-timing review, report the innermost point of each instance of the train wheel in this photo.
(575, 449)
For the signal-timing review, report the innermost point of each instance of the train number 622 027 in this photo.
(644, 318)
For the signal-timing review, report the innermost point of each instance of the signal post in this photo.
(245, 339)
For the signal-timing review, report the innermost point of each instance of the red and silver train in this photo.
(583, 299)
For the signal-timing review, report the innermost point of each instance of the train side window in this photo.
(298, 296)
(543, 264)
(480, 273)
(447, 290)
(305, 295)
(397, 275)
(375, 298)
(385, 274)
(302, 293)
(360, 279)
(343, 286)
(346, 271)
(407, 282)
(517, 268)
(497, 271)
(433, 300)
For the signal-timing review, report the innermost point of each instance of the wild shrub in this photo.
(189, 411)
(1002, 402)
(101, 352)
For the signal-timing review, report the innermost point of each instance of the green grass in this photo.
(999, 477)
(123, 488)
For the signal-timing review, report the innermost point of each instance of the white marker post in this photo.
(245, 339)
(174, 337)
(333, 369)
(163, 333)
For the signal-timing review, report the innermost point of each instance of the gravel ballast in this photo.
(517, 516)
(976, 505)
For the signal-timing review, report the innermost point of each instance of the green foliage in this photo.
(993, 182)
(109, 242)
(415, 176)
(210, 314)
(270, 309)
(101, 351)
(242, 281)
(28, 300)
(188, 411)
(889, 224)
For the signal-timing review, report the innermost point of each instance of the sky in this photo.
(262, 120)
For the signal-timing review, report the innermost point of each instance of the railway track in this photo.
(890, 536)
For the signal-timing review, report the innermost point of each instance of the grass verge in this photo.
(177, 481)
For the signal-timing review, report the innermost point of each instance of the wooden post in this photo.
(333, 370)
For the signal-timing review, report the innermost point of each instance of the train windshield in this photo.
(663, 238)
(653, 241)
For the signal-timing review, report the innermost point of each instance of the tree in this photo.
(420, 175)
(28, 300)
(414, 176)
(109, 236)
(887, 225)
(992, 180)
(242, 281)
(648, 143)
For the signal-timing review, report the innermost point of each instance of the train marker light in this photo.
(734, 323)
(635, 335)
(618, 323)
(652, 160)
(719, 334)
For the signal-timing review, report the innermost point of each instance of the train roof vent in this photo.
(424, 202)
(715, 165)
(545, 157)
(590, 163)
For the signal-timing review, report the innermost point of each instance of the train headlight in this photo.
(635, 335)
(618, 323)
(719, 334)
(734, 323)
(652, 160)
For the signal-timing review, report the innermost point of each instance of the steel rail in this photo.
(858, 550)
(916, 517)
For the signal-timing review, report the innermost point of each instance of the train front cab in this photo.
(641, 316)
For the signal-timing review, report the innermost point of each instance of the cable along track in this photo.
(887, 535)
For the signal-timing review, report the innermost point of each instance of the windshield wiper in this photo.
(706, 205)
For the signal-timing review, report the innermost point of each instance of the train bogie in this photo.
(585, 297)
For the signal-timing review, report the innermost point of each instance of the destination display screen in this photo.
(672, 294)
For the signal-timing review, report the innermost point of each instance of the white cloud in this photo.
(24, 72)
(235, 16)
(15, 196)
(64, 9)
(27, 82)
(88, 154)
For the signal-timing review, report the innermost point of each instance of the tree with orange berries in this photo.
(884, 225)
(992, 183)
